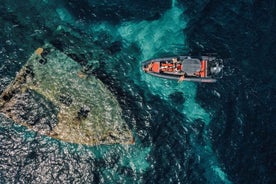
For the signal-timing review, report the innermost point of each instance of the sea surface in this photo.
(184, 132)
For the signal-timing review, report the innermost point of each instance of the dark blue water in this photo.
(185, 133)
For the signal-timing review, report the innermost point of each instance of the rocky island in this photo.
(51, 95)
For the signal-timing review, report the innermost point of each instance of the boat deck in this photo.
(193, 69)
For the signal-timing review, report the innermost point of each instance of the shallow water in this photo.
(184, 132)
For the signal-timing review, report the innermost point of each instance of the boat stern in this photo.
(151, 66)
(216, 68)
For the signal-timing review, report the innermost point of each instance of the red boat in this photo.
(196, 69)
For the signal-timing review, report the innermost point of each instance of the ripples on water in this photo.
(172, 130)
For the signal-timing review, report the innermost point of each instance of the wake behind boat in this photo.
(196, 69)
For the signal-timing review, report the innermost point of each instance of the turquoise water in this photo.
(184, 132)
(153, 37)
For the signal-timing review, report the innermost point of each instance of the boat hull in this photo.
(195, 69)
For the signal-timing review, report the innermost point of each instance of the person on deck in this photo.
(174, 60)
(181, 78)
(148, 68)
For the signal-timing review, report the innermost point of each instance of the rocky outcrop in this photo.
(53, 96)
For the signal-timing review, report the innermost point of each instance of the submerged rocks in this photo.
(50, 98)
(33, 109)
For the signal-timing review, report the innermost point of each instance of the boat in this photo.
(186, 68)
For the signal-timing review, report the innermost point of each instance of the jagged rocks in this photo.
(51, 96)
